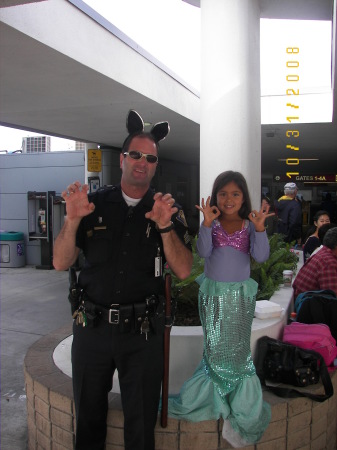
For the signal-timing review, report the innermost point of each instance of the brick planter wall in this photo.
(296, 423)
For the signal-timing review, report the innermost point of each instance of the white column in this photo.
(88, 174)
(230, 127)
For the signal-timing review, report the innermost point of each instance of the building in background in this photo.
(36, 144)
(79, 145)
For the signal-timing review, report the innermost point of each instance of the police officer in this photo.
(127, 233)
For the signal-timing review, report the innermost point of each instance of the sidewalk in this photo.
(33, 303)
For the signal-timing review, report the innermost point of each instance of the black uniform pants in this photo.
(96, 353)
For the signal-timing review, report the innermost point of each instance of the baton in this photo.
(168, 326)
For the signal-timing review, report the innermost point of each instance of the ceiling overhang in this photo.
(58, 79)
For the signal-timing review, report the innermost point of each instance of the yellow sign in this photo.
(94, 160)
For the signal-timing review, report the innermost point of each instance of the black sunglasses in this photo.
(139, 155)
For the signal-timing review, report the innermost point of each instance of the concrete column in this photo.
(90, 176)
(230, 127)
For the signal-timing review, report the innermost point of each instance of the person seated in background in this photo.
(321, 233)
(312, 242)
(319, 271)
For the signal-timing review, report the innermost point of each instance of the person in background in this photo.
(329, 206)
(271, 221)
(319, 271)
(265, 202)
(289, 213)
(225, 383)
(313, 241)
(321, 233)
(127, 234)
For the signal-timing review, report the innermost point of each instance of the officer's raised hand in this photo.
(76, 198)
(162, 210)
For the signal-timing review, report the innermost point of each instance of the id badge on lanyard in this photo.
(158, 267)
(158, 260)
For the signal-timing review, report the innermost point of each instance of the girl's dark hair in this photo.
(225, 178)
(320, 213)
(141, 134)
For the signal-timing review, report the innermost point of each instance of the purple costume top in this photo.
(227, 256)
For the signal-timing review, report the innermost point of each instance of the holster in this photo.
(91, 314)
(74, 290)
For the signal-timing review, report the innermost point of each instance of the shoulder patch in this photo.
(181, 218)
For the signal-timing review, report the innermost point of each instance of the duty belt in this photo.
(110, 315)
(118, 312)
(128, 317)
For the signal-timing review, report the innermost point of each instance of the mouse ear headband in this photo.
(135, 124)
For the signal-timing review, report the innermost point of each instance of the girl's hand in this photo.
(258, 218)
(210, 212)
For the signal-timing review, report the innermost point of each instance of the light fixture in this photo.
(302, 159)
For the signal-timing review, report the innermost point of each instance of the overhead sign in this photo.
(94, 160)
(319, 178)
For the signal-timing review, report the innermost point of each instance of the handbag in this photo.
(315, 336)
(281, 362)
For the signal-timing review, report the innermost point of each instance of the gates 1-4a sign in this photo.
(319, 178)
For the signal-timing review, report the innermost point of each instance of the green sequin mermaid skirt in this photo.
(225, 383)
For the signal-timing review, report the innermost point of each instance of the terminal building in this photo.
(68, 72)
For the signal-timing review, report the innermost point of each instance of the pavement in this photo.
(33, 304)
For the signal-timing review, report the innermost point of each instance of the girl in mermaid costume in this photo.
(225, 383)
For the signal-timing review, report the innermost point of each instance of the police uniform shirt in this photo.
(120, 246)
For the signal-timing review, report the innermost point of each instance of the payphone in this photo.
(44, 222)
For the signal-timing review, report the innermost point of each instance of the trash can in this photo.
(12, 249)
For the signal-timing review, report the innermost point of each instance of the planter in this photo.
(50, 405)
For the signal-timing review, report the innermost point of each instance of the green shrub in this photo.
(268, 275)
(184, 289)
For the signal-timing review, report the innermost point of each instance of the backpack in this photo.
(320, 308)
(329, 294)
(315, 336)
